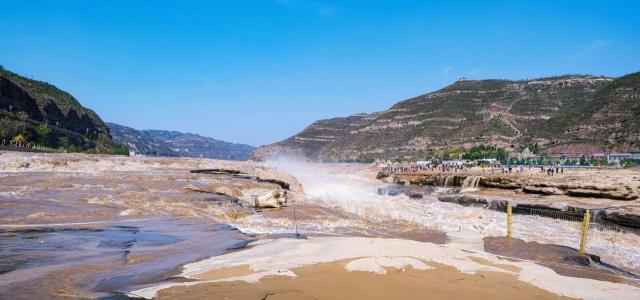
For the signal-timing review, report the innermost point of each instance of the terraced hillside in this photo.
(570, 114)
(26, 104)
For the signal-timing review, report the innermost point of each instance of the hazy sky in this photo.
(259, 71)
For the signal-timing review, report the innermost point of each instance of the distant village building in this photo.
(424, 163)
(600, 155)
(458, 162)
(132, 153)
(526, 154)
(618, 157)
(490, 161)
(565, 156)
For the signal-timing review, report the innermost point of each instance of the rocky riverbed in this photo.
(611, 194)
(84, 226)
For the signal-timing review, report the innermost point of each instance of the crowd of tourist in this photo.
(467, 166)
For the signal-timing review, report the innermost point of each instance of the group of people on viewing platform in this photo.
(464, 166)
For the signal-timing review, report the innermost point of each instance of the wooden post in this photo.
(509, 220)
(585, 232)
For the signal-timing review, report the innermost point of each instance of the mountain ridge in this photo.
(178, 144)
(505, 113)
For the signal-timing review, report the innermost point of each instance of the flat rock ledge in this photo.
(523, 184)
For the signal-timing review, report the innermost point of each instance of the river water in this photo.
(353, 188)
(105, 260)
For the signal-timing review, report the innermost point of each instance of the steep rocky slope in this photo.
(26, 104)
(173, 143)
(572, 114)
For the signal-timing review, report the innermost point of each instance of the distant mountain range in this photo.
(26, 104)
(567, 114)
(173, 143)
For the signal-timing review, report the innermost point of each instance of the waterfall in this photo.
(449, 181)
(471, 182)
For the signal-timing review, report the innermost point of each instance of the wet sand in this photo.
(333, 281)
(563, 260)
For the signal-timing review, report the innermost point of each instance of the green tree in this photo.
(485, 151)
(535, 148)
(42, 132)
(4, 131)
(8, 127)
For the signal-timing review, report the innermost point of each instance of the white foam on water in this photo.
(342, 186)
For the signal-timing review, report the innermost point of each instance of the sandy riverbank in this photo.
(371, 268)
(312, 283)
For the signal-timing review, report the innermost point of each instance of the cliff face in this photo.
(26, 104)
(575, 114)
(173, 143)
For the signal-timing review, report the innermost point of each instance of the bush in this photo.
(630, 163)
(119, 150)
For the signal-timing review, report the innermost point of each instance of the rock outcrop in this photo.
(272, 199)
(248, 189)
(522, 184)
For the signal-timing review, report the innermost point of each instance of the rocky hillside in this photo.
(569, 114)
(173, 143)
(26, 104)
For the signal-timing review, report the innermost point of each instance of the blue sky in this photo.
(260, 71)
